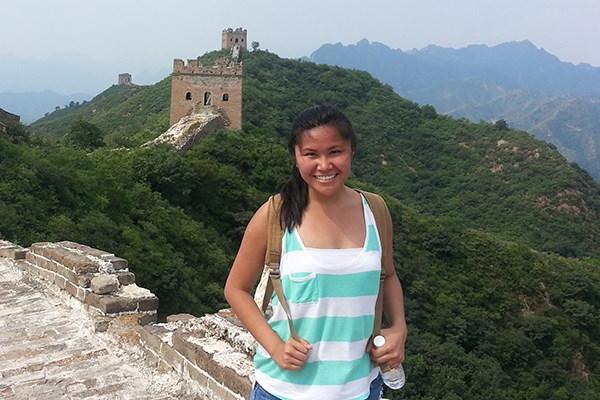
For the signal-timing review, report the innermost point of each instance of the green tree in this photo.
(84, 135)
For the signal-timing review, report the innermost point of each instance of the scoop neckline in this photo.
(360, 250)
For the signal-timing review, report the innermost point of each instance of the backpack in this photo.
(270, 279)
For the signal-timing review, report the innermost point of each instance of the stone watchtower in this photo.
(230, 38)
(194, 86)
(125, 79)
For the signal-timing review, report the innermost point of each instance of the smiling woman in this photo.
(330, 267)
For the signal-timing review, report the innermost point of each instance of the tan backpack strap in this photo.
(272, 259)
(273, 254)
(383, 220)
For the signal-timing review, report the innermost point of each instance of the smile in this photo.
(324, 178)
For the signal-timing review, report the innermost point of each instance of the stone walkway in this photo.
(48, 351)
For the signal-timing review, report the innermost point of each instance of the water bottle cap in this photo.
(378, 341)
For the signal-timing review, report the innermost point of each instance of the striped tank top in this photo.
(332, 295)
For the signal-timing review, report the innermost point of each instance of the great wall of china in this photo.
(73, 324)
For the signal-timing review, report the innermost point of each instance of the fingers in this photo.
(293, 355)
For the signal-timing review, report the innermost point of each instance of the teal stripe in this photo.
(372, 243)
(324, 285)
(291, 242)
(317, 373)
(327, 329)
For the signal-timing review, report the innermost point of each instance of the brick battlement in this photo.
(210, 357)
(195, 67)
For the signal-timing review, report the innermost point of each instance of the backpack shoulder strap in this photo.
(383, 220)
(273, 254)
(272, 259)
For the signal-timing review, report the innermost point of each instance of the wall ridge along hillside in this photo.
(71, 328)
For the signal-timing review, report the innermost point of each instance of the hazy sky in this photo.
(150, 33)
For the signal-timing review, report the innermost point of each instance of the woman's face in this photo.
(324, 159)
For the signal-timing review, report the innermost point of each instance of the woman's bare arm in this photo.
(245, 272)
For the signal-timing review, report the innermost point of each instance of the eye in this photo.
(310, 154)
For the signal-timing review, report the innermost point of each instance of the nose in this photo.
(323, 162)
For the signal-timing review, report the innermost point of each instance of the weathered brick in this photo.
(83, 248)
(59, 281)
(71, 289)
(196, 355)
(67, 274)
(110, 304)
(125, 277)
(101, 324)
(103, 284)
(147, 318)
(31, 257)
(19, 254)
(84, 280)
(148, 304)
(39, 248)
(150, 338)
(118, 263)
(196, 374)
(55, 253)
(172, 357)
(79, 264)
(47, 263)
(224, 375)
(179, 317)
(219, 391)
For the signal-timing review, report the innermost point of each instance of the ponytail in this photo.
(294, 199)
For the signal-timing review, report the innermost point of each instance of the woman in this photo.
(330, 265)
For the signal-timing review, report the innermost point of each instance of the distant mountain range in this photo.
(31, 87)
(33, 105)
(528, 87)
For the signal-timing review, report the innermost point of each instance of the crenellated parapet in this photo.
(213, 352)
(98, 279)
(221, 67)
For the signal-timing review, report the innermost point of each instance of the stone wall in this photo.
(214, 351)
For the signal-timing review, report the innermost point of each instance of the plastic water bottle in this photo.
(393, 378)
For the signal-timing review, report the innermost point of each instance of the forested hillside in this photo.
(484, 217)
(526, 86)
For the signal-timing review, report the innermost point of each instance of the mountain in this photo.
(496, 239)
(528, 87)
(474, 172)
(33, 105)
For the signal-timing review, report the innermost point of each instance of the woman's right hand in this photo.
(291, 355)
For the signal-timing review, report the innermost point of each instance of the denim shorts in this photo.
(376, 390)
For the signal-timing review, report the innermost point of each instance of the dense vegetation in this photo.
(480, 214)
(530, 88)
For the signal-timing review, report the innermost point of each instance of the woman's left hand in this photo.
(391, 354)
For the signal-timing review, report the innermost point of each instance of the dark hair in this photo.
(294, 193)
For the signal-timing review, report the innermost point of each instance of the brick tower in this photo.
(194, 86)
(230, 38)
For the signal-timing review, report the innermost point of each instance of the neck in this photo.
(336, 199)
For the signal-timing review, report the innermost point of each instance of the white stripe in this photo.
(328, 307)
(330, 351)
(350, 390)
(297, 261)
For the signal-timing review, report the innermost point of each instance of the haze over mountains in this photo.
(528, 87)
(31, 86)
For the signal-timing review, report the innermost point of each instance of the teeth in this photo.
(324, 177)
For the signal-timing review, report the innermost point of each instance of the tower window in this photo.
(188, 96)
(207, 98)
(236, 40)
(225, 96)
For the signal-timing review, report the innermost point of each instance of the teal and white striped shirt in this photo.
(332, 295)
